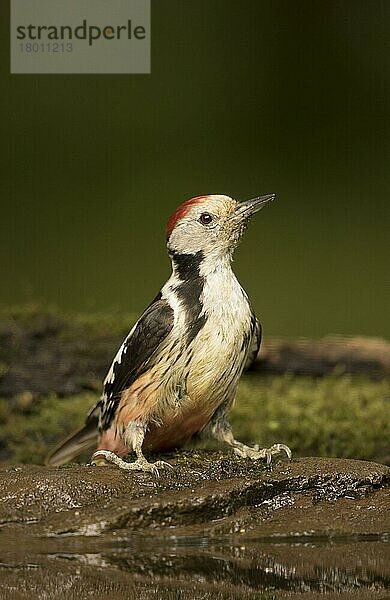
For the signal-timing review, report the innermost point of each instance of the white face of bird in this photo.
(212, 224)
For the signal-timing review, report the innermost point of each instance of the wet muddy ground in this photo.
(215, 527)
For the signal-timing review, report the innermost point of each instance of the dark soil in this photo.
(210, 489)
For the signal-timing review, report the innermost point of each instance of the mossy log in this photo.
(44, 352)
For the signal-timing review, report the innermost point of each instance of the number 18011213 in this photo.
(46, 47)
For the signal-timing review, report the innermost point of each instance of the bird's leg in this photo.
(134, 436)
(220, 429)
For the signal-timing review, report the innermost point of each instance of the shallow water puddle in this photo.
(170, 567)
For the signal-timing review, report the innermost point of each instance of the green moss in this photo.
(340, 415)
(27, 435)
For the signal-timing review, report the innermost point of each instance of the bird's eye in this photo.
(205, 218)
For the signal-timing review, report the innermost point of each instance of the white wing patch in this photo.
(110, 377)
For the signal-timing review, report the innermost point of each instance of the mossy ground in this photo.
(338, 415)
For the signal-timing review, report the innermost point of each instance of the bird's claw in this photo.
(257, 453)
(103, 457)
(160, 464)
(276, 449)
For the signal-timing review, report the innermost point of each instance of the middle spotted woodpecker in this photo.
(176, 374)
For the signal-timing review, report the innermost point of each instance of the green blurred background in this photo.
(244, 98)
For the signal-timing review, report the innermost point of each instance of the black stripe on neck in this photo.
(187, 266)
(190, 290)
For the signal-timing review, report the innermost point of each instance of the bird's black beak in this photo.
(248, 208)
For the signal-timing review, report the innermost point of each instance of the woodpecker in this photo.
(176, 374)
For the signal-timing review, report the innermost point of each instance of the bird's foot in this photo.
(103, 457)
(256, 453)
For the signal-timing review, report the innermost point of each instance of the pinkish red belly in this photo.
(170, 435)
(175, 434)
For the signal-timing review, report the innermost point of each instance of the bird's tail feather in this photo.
(82, 439)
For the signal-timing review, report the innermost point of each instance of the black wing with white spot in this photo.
(148, 333)
(254, 345)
